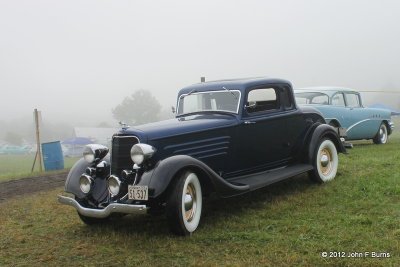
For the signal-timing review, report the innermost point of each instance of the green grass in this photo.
(16, 166)
(285, 224)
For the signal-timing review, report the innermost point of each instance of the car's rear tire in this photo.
(325, 161)
(381, 136)
(184, 204)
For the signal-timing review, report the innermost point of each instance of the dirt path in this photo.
(31, 185)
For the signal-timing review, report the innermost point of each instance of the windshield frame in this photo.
(228, 91)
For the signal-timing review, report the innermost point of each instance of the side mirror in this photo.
(173, 109)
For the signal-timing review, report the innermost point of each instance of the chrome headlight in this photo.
(85, 183)
(94, 152)
(114, 184)
(141, 152)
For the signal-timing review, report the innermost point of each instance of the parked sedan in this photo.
(12, 149)
(342, 107)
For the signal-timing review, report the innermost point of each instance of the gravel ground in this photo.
(31, 185)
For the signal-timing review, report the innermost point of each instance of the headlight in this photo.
(141, 152)
(94, 152)
(85, 183)
(114, 185)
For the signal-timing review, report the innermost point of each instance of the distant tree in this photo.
(13, 138)
(139, 108)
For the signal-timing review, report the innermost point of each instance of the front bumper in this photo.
(103, 213)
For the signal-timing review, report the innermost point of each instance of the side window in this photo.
(262, 99)
(320, 99)
(338, 100)
(352, 100)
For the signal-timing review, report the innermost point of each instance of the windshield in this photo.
(312, 98)
(226, 101)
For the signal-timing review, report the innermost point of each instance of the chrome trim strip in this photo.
(103, 213)
(357, 123)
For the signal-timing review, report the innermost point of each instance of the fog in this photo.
(76, 60)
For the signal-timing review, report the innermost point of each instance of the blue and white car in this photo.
(343, 107)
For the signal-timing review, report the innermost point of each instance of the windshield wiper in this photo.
(230, 92)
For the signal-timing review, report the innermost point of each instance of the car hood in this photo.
(180, 126)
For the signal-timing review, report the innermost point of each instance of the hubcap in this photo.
(190, 202)
(325, 161)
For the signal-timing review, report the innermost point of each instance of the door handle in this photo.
(249, 122)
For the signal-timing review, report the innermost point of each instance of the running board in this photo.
(261, 179)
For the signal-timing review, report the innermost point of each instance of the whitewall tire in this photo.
(184, 204)
(381, 136)
(325, 161)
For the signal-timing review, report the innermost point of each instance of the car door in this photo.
(361, 123)
(264, 137)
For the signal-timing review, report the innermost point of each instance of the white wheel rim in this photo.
(383, 134)
(191, 202)
(327, 160)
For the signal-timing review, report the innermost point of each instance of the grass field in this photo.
(287, 224)
(16, 166)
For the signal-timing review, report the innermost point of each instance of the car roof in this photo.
(239, 84)
(329, 90)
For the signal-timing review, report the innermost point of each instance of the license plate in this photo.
(136, 192)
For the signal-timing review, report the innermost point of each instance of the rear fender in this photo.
(322, 131)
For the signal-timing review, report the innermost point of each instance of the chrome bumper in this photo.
(391, 125)
(103, 213)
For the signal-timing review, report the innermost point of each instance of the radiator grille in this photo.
(120, 154)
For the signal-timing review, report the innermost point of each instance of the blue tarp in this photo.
(77, 141)
(394, 112)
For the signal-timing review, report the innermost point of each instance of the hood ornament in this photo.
(123, 125)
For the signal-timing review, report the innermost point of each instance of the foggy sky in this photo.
(76, 60)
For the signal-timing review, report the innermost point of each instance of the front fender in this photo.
(72, 182)
(166, 170)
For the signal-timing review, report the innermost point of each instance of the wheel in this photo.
(184, 204)
(381, 136)
(325, 161)
(89, 220)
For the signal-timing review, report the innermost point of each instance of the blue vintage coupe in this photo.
(229, 137)
(342, 107)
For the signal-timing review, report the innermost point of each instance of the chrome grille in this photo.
(120, 154)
